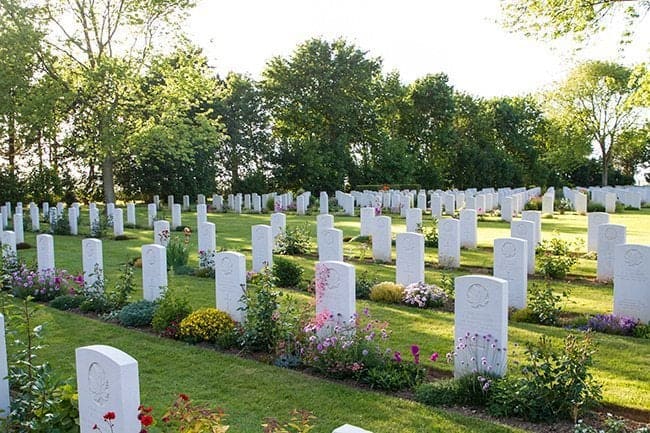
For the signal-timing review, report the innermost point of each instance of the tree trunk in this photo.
(108, 180)
(605, 169)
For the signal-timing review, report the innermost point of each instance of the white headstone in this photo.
(207, 238)
(262, 244)
(107, 380)
(217, 203)
(409, 263)
(278, 225)
(45, 252)
(610, 202)
(580, 202)
(632, 281)
(200, 199)
(201, 213)
(8, 244)
(4, 371)
(367, 220)
(347, 428)
(257, 203)
(436, 206)
(381, 239)
(335, 295)
(118, 222)
(247, 201)
(510, 264)
(449, 243)
(176, 216)
(609, 235)
(230, 276)
(547, 204)
(186, 202)
(449, 200)
(526, 230)
(414, 220)
(301, 207)
(480, 310)
(73, 220)
(324, 203)
(152, 211)
(154, 271)
(468, 228)
(594, 219)
(156, 200)
(130, 214)
(18, 228)
(110, 208)
(161, 233)
(330, 245)
(506, 209)
(35, 217)
(93, 261)
(536, 217)
(170, 201)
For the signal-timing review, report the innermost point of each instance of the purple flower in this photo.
(397, 356)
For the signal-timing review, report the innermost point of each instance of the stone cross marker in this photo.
(107, 380)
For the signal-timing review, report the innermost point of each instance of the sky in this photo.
(461, 38)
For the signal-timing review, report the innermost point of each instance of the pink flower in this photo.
(434, 357)
(415, 351)
(397, 356)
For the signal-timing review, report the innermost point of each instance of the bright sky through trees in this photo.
(461, 38)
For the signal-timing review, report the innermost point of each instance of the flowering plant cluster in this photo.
(206, 259)
(613, 324)
(45, 285)
(424, 295)
(479, 354)
(207, 324)
(353, 349)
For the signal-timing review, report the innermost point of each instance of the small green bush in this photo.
(534, 203)
(470, 390)
(595, 207)
(294, 240)
(364, 285)
(430, 234)
(210, 325)
(173, 307)
(387, 292)
(554, 258)
(286, 273)
(544, 304)
(137, 314)
(554, 382)
(66, 302)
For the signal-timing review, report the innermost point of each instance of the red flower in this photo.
(109, 416)
(146, 420)
(184, 397)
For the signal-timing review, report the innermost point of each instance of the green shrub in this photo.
(393, 376)
(364, 284)
(294, 240)
(66, 302)
(534, 203)
(270, 204)
(387, 292)
(60, 226)
(173, 307)
(554, 258)
(430, 233)
(554, 382)
(595, 207)
(210, 325)
(178, 253)
(544, 304)
(137, 314)
(286, 273)
(469, 390)
(262, 327)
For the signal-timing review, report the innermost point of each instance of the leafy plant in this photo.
(178, 252)
(98, 300)
(363, 285)
(554, 258)
(387, 292)
(60, 225)
(294, 240)
(208, 324)
(611, 425)
(261, 329)
(430, 233)
(300, 423)
(137, 313)
(44, 285)
(544, 304)
(41, 402)
(554, 382)
(172, 307)
(66, 302)
(286, 273)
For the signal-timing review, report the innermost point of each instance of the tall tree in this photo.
(107, 42)
(597, 96)
(321, 104)
(552, 19)
(246, 147)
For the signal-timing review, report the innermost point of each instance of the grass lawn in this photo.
(249, 390)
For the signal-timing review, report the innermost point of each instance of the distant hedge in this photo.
(397, 186)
